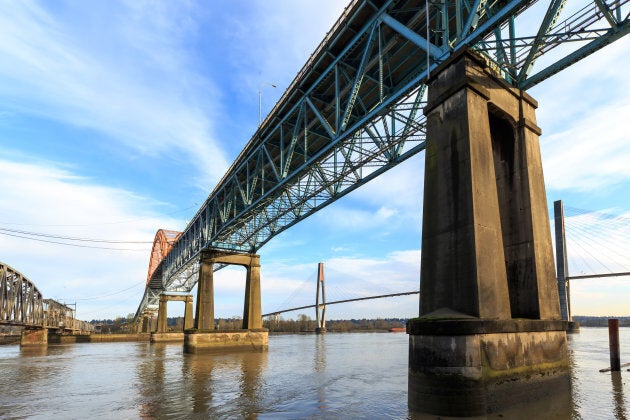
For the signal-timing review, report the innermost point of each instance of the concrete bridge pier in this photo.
(490, 335)
(34, 337)
(204, 337)
(162, 334)
(148, 321)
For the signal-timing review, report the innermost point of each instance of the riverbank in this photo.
(13, 339)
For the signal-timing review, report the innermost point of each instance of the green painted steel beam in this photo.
(352, 112)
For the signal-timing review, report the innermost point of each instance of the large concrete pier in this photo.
(490, 334)
(203, 337)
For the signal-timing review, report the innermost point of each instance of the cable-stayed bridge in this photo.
(598, 243)
(597, 246)
(354, 111)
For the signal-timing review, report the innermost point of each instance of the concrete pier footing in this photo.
(494, 366)
(34, 337)
(490, 333)
(216, 341)
(166, 337)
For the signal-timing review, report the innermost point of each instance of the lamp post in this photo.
(260, 100)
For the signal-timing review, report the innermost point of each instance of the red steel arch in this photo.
(162, 244)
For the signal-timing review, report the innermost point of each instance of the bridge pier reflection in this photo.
(490, 334)
(204, 336)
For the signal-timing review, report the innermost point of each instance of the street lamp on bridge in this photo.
(260, 100)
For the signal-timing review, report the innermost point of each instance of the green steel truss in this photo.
(355, 109)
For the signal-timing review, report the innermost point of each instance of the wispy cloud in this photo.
(48, 199)
(268, 48)
(592, 154)
(130, 79)
(584, 116)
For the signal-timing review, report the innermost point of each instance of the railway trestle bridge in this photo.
(23, 305)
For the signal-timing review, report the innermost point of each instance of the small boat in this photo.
(398, 329)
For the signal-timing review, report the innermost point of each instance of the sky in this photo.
(118, 118)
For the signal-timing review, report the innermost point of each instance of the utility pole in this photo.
(320, 320)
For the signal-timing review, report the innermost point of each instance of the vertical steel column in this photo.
(562, 266)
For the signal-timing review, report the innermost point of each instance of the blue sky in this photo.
(118, 118)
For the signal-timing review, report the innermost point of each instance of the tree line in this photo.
(303, 323)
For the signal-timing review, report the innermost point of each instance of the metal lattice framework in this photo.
(355, 109)
(21, 304)
(20, 301)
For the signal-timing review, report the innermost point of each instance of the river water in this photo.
(338, 375)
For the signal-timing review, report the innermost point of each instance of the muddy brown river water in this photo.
(337, 375)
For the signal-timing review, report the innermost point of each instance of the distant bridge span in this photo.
(354, 110)
(22, 305)
(415, 292)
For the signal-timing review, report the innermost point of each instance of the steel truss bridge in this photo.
(354, 110)
(22, 304)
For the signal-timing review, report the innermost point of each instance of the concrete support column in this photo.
(204, 316)
(34, 337)
(146, 324)
(204, 338)
(188, 313)
(252, 312)
(162, 318)
(490, 334)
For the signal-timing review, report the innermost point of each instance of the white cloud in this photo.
(45, 198)
(592, 154)
(133, 84)
(389, 202)
(275, 39)
(600, 297)
(583, 114)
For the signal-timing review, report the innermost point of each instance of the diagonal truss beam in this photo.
(352, 112)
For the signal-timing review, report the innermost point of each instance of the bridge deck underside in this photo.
(355, 110)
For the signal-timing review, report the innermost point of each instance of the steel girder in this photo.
(61, 317)
(354, 110)
(20, 301)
